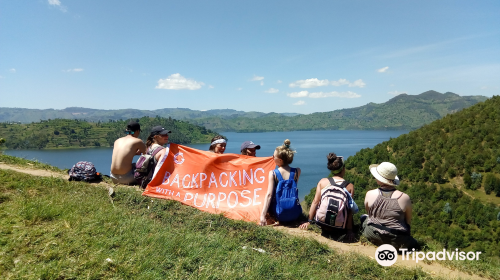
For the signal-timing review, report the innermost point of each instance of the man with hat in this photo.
(124, 150)
(248, 148)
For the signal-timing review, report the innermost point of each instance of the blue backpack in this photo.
(287, 198)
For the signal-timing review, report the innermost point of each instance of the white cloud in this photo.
(309, 83)
(279, 81)
(261, 83)
(383, 69)
(239, 88)
(300, 102)
(358, 83)
(299, 94)
(305, 93)
(484, 87)
(57, 3)
(312, 83)
(176, 81)
(340, 82)
(74, 70)
(272, 90)
(210, 86)
(396, 92)
(347, 94)
(12, 70)
(257, 78)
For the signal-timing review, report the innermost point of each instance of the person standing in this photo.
(124, 150)
(248, 148)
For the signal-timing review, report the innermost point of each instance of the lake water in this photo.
(311, 146)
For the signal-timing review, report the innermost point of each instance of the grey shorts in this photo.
(125, 179)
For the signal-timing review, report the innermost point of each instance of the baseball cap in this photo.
(159, 130)
(133, 126)
(249, 145)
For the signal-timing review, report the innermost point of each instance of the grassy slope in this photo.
(46, 232)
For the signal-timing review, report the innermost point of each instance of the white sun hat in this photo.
(386, 173)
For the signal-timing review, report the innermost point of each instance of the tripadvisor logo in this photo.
(387, 255)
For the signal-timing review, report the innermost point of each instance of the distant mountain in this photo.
(35, 115)
(401, 112)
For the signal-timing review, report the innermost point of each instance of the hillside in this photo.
(64, 133)
(438, 164)
(22, 115)
(46, 232)
(404, 112)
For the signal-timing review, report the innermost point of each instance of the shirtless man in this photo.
(124, 150)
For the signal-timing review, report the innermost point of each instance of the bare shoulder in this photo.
(372, 192)
(405, 197)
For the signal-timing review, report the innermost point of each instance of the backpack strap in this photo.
(344, 184)
(292, 174)
(157, 150)
(278, 174)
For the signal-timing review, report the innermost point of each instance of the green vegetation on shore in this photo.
(433, 163)
(404, 112)
(46, 232)
(63, 133)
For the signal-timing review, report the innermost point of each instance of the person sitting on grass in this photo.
(336, 165)
(277, 207)
(124, 150)
(389, 210)
(217, 145)
(248, 148)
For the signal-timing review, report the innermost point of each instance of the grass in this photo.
(27, 163)
(54, 229)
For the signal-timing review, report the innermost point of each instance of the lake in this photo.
(311, 146)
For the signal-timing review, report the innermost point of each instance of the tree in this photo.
(467, 180)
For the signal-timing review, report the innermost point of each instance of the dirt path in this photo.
(433, 269)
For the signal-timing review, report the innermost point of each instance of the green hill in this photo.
(21, 115)
(403, 112)
(440, 164)
(64, 133)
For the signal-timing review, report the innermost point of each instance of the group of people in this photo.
(389, 211)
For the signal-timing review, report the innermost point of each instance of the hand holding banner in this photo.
(229, 183)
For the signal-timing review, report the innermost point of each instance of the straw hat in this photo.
(386, 173)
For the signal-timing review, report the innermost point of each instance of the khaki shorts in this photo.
(125, 179)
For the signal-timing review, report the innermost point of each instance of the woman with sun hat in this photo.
(389, 210)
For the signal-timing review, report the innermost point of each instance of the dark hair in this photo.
(212, 147)
(285, 153)
(334, 162)
(244, 152)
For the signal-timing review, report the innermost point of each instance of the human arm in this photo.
(298, 175)
(160, 155)
(314, 206)
(267, 198)
(140, 147)
(408, 209)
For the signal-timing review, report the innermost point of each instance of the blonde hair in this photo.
(285, 153)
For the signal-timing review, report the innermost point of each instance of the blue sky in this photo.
(268, 56)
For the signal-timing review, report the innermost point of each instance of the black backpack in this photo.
(84, 171)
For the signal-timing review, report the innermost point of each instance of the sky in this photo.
(266, 56)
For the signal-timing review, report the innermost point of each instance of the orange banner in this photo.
(229, 183)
